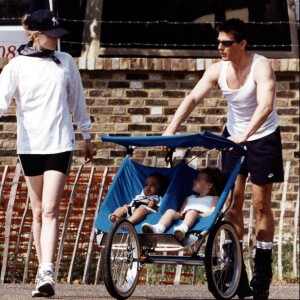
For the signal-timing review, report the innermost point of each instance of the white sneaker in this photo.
(179, 233)
(148, 228)
(35, 293)
(45, 285)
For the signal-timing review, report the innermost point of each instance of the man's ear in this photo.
(243, 44)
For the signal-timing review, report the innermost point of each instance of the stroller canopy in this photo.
(205, 139)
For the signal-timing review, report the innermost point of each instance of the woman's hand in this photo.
(89, 150)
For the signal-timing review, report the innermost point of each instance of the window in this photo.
(11, 11)
(186, 28)
(71, 14)
(158, 28)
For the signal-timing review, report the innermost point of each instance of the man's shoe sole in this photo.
(260, 294)
(242, 293)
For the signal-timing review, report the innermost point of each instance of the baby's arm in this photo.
(151, 203)
(213, 206)
(183, 205)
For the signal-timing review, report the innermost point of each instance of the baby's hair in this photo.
(163, 182)
(217, 178)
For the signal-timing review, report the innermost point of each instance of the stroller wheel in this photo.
(121, 260)
(223, 261)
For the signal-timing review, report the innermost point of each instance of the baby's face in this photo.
(200, 184)
(151, 186)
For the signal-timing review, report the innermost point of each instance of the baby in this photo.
(145, 203)
(208, 186)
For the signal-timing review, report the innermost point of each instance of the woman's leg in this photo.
(45, 192)
(52, 191)
(35, 191)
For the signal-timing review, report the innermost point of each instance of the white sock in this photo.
(226, 242)
(264, 245)
(160, 227)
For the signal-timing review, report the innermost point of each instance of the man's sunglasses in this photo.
(226, 43)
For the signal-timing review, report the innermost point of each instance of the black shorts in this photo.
(37, 164)
(263, 160)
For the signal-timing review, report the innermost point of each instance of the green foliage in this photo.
(287, 263)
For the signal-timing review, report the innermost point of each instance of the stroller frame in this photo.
(125, 249)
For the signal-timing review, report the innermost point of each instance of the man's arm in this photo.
(264, 78)
(202, 88)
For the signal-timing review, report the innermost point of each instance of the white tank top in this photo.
(201, 204)
(242, 104)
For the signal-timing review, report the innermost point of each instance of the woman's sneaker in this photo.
(45, 285)
(35, 293)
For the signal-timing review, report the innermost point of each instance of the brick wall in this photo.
(139, 96)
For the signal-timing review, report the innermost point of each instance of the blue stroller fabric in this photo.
(129, 182)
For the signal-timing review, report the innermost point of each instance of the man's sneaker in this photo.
(179, 233)
(261, 294)
(262, 275)
(46, 284)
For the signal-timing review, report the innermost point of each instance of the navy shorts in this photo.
(263, 160)
(37, 164)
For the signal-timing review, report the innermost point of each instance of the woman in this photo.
(46, 86)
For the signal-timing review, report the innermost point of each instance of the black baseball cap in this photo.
(46, 22)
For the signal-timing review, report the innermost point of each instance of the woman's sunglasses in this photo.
(226, 43)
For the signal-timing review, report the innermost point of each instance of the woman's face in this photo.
(43, 42)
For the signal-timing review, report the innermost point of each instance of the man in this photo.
(248, 83)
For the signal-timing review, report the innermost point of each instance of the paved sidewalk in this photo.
(142, 292)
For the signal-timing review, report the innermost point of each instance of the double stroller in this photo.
(125, 248)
